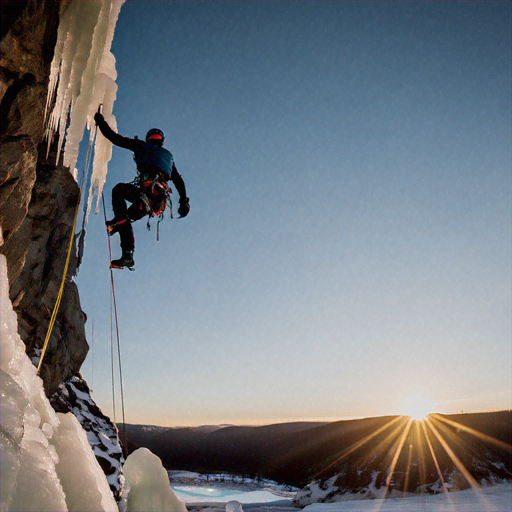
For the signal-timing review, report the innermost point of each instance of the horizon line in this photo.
(279, 421)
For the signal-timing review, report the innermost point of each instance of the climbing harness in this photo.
(160, 215)
(151, 188)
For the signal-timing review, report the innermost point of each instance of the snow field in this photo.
(497, 498)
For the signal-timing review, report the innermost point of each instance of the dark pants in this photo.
(121, 193)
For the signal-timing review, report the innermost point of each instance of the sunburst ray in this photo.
(355, 446)
(460, 466)
(480, 435)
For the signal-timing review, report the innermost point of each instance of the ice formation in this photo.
(234, 506)
(83, 76)
(46, 461)
(149, 484)
(85, 486)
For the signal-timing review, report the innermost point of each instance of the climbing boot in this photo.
(126, 260)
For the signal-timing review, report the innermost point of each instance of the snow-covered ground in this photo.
(213, 494)
(497, 498)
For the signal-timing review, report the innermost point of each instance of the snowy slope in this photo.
(330, 491)
(496, 498)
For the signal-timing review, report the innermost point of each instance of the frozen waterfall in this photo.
(83, 76)
(46, 462)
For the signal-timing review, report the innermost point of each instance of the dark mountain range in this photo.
(386, 450)
(233, 449)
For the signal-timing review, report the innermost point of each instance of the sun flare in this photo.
(418, 407)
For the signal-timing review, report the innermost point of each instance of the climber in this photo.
(148, 193)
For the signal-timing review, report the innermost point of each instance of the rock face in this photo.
(38, 196)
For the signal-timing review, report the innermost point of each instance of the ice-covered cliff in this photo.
(46, 462)
(56, 68)
(55, 65)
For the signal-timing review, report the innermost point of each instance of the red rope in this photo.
(114, 308)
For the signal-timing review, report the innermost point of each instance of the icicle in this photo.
(106, 89)
(78, 22)
(83, 76)
(80, 108)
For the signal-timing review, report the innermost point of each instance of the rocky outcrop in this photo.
(28, 36)
(38, 196)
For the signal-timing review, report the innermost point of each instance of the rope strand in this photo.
(113, 316)
(112, 372)
(66, 265)
(61, 289)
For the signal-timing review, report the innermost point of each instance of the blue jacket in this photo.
(150, 158)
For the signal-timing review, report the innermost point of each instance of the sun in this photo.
(417, 407)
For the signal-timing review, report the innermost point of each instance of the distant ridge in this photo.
(353, 451)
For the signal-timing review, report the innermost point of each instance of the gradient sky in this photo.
(349, 245)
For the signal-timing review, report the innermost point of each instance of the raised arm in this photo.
(112, 136)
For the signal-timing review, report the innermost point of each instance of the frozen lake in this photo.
(197, 492)
(202, 494)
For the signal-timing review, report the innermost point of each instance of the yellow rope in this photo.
(59, 296)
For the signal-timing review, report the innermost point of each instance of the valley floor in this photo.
(200, 495)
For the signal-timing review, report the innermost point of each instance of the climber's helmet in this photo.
(155, 136)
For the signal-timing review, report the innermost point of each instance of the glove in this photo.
(98, 118)
(184, 207)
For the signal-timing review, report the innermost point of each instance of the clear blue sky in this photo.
(349, 245)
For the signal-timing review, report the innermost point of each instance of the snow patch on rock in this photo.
(74, 396)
